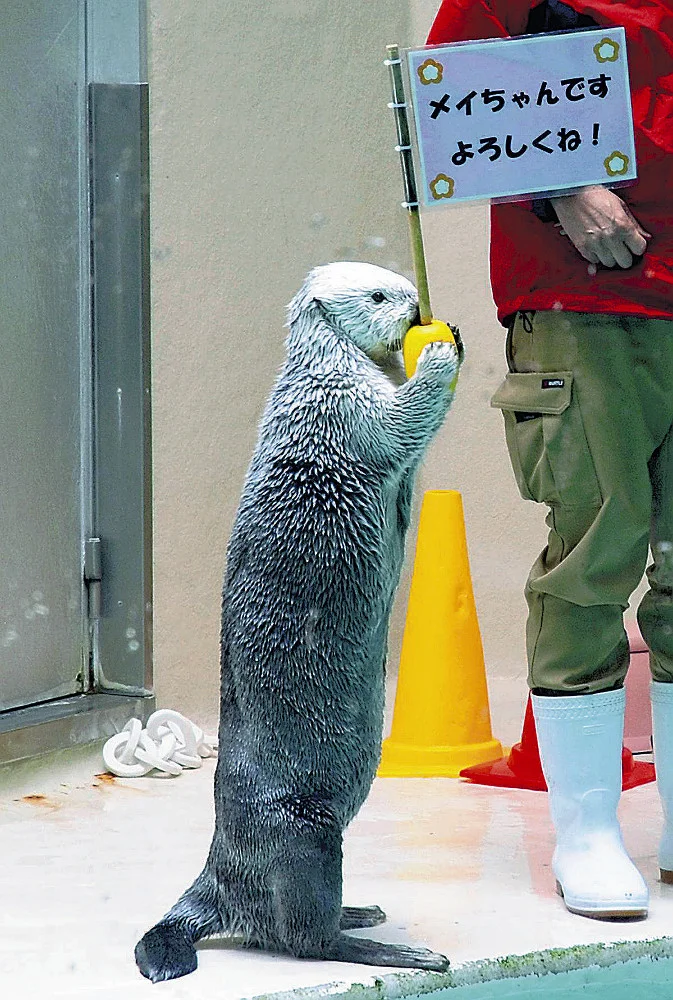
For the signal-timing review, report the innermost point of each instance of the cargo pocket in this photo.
(546, 439)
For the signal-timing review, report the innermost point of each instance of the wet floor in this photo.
(90, 862)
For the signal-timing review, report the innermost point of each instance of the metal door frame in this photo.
(115, 420)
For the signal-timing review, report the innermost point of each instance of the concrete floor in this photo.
(90, 863)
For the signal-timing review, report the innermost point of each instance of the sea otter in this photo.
(313, 562)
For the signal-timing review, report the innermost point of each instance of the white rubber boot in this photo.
(580, 739)
(662, 724)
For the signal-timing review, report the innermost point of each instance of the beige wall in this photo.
(272, 152)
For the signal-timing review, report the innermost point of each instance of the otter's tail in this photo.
(167, 950)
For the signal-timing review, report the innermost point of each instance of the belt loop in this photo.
(509, 354)
(527, 320)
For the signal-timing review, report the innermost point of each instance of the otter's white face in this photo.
(372, 306)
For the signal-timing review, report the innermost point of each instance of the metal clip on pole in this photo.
(399, 107)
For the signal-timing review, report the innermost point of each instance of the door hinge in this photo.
(93, 574)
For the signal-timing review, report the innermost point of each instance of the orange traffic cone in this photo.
(523, 769)
(441, 721)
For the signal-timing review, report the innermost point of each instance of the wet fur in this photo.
(313, 562)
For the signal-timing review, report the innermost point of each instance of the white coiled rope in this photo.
(169, 743)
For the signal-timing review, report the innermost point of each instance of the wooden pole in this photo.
(399, 107)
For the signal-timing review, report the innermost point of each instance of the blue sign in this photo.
(508, 118)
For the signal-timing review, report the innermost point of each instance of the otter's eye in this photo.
(378, 297)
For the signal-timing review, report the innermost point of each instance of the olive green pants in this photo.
(588, 409)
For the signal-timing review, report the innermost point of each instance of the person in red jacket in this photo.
(584, 285)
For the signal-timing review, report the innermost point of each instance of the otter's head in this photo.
(370, 305)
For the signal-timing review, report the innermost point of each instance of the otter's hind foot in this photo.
(361, 916)
(399, 956)
(165, 953)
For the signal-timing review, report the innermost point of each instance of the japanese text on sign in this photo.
(509, 118)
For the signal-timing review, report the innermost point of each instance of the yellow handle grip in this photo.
(416, 339)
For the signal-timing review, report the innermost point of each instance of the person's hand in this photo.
(601, 227)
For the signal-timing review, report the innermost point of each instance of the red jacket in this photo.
(532, 265)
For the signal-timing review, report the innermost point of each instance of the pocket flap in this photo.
(534, 392)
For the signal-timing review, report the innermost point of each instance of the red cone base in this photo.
(522, 769)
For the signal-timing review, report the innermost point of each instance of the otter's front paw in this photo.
(439, 360)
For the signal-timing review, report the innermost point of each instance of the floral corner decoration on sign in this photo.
(442, 187)
(616, 163)
(606, 50)
(430, 72)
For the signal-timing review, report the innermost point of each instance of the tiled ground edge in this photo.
(536, 963)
